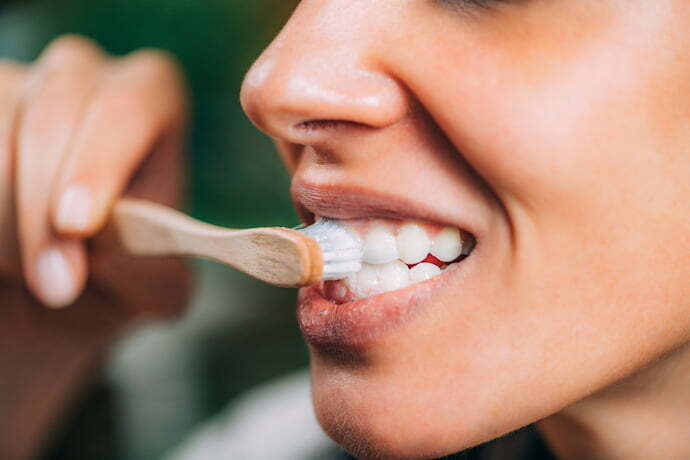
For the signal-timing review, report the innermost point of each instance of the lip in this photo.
(341, 201)
(360, 324)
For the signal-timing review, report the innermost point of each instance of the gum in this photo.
(362, 226)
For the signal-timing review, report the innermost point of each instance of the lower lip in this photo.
(360, 323)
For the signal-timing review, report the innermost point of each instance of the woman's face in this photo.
(557, 133)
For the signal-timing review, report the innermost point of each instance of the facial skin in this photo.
(558, 133)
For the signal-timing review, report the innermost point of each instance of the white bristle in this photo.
(342, 248)
(338, 255)
(341, 270)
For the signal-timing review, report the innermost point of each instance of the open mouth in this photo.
(397, 254)
(414, 256)
(405, 265)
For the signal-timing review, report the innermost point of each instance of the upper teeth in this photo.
(413, 243)
(380, 246)
(447, 245)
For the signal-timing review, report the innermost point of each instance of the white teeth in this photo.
(377, 279)
(366, 282)
(380, 246)
(386, 255)
(447, 245)
(413, 243)
(423, 272)
(394, 275)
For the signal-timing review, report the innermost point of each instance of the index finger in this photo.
(141, 104)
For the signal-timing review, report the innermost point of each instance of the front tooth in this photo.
(394, 275)
(423, 272)
(380, 246)
(413, 243)
(447, 245)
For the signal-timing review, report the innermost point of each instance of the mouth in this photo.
(406, 263)
(397, 254)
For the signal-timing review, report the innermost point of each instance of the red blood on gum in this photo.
(430, 259)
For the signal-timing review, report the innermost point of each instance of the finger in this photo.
(11, 75)
(56, 93)
(141, 105)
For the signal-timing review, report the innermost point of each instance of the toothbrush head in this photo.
(342, 248)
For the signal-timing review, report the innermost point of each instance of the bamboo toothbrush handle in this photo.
(279, 256)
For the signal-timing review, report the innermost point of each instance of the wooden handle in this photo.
(279, 256)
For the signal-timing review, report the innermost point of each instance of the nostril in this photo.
(323, 134)
(313, 126)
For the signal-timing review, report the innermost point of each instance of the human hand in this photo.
(78, 128)
(75, 127)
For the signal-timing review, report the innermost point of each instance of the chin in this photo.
(371, 423)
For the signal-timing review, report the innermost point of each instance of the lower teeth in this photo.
(378, 279)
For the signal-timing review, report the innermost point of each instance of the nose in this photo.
(321, 71)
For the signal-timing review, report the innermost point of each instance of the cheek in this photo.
(555, 104)
(588, 157)
(574, 139)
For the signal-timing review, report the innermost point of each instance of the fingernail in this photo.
(74, 208)
(55, 280)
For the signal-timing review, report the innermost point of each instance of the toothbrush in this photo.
(278, 256)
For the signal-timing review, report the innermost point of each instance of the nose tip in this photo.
(284, 91)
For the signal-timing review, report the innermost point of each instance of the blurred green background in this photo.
(166, 378)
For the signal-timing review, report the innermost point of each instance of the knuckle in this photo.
(156, 64)
(70, 48)
(71, 43)
(66, 69)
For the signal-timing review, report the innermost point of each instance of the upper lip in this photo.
(344, 201)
